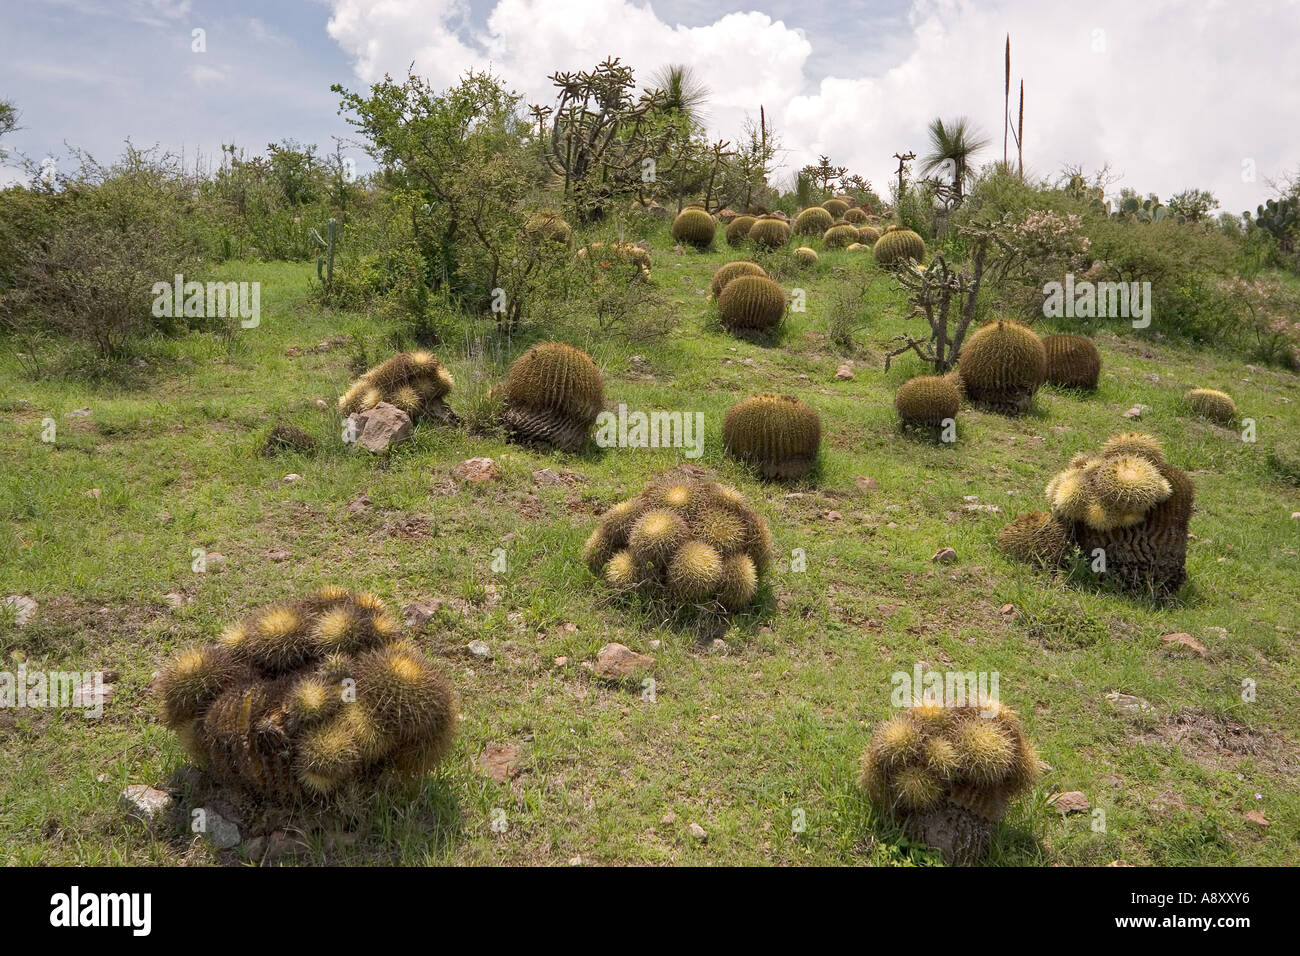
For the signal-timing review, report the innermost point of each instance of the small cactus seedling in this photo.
(897, 245)
(686, 539)
(694, 227)
(778, 435)
(411, 381)
(771, 232)
(751, 303)
(553, 393)
(738, 229)
(1002, 365)
(1211, 404)
(1072, 361)
(813, 221)
(927, 400)
(300, 698)
(948, 773)
(734, 270)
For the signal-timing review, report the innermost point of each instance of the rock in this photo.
(1181, 640)
(477, 470)
(1295, 516)
(174, 598)
(418, 613)
(844, 372)
(378, 428)
(359, 505)
(21, 607)
(1072, 801)
(479, 648)
(561, 662)
(278, 555)
(78, 413)
(1130, 703)
(668, 817)
(1254, 816)
(291, 478)
(1008, 611)
(617, 661)
(145, 803)
(500, 761)
(867, 483)
(1136, 411)
(833, 516)
(93, 493)
(221, 833)
(719, 646)
(944, 556)
(214, 560)
(698, 832)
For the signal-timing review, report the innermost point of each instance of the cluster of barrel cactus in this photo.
(898, 244)
(1212, 404)
(1002, 365)
(694, 226)
(302, 698)
(411, 381)
(1126, 509)
(778, 435)
(1072, 361)
(684, 538)
(948, 773)
(751, 303)
(927, 401)
(552, 395)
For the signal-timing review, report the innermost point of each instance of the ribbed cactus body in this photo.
(738, 229)
(771, 232)
(1002, 365)
(867, 235)
(898, 244)
(751, 303)
(840, 235)
(927, 400)
(805, 256)
(1037, 537)
(1211, 404)
(1072, 361)
(855, 216)
(553, 393)
(836, 207)
(694, 227)
(303, 720)
(778, 435)
(813, 221)
(734, 270)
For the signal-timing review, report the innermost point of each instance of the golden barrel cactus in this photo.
(1037, 537)
(840, 235)
(552, 395)
(771, 232)
(813, 221)
(694, 227)
(1072, 361)
(927, 400)
(738, 229)
(751, 303)
(855, 216)
(1211, 404)
(805, 256)
(897, 245)
(734, 270)
(1002, 365)
(837, 207)
(411, 381)
(867, 235)
(778, 435)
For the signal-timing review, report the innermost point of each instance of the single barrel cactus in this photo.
(694, 227)
(1036, 537)
(1072, 361)
(771, 232)
(738, 229)
(836, 207)
(751, 302)
(1129, 508)
(302, 698)
(553, 393)
(411, 381)
(840, 235)
(548, 224)
(805, 256)
(948, 773)
(1211, 404)
(1002, 366)
(684, 538)
(897, 245)
(777, 434)
(734, 270)
(855, 216)
(927, 400)
(867, 235)
(813, 221)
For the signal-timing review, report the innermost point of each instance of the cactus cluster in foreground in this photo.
(411, 381)
(948, 773)
(734, 270)
(684, 538)
(778, 435)
(299, 699)
(553, 393)
(1127, 505)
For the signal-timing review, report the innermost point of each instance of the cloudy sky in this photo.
(1172, 93)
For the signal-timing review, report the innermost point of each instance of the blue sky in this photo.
(1172, 93)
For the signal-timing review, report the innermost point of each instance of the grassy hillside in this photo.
(739, 737)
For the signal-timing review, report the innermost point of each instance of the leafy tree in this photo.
(1193, 204)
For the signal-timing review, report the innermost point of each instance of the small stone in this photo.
(282, 845)
(1130, 703)
(376, 429)
(617, 661)
(833, 516)
(418, 613)
(214, 560)
(698, 832)
(1136, 411)
(321, 403)
(291, 478)
(78, 413)
(146, 804)
(867, 483)
(575, 861)
(561, 662)
(719, 646)
(93, 493)
(1295, 516)
(1072, 801)
(21, 607)
(221, 833)
(1008, 610)
(1181, 640)
(668, 817)
(479, 648)
(844, 372)
(499, 761)
(1254, 816)
(278, 555)
(359, 505)
(944, 556)
(477, 470)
